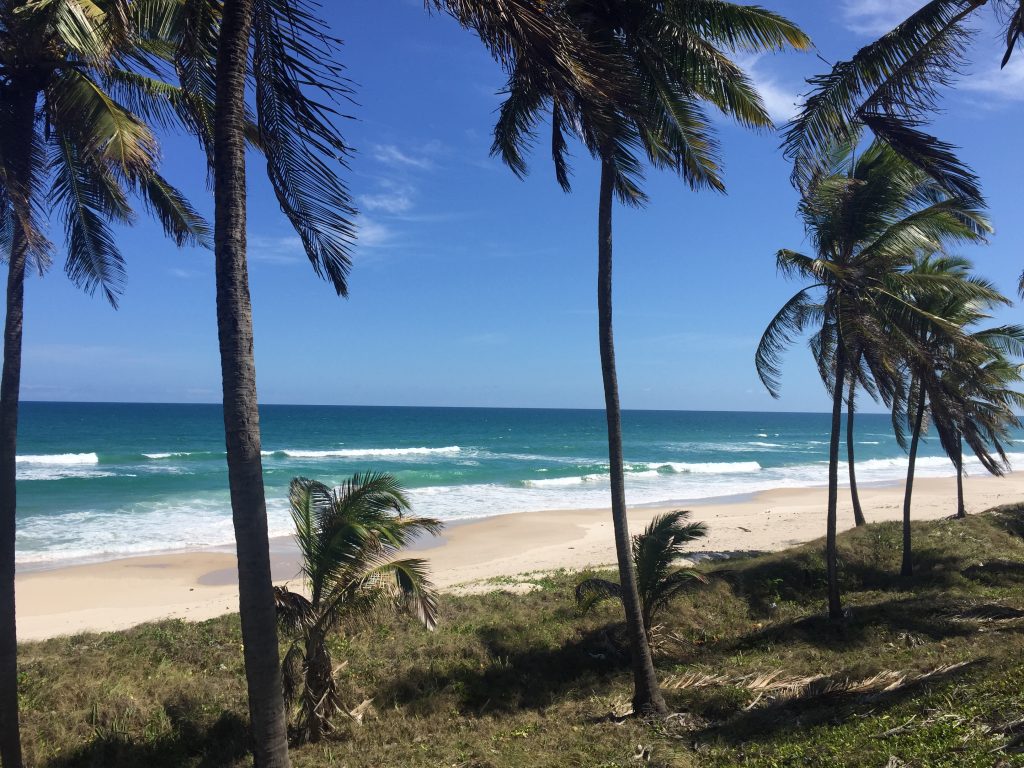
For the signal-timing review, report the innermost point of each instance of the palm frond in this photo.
(305, 151)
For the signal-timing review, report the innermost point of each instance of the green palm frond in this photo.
(655, 553)
(292, 56)
(591, 592)
(180, 221)
(90, 196)
(792, 320)
(100, 127)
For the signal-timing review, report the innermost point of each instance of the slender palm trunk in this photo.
(835, 605)
(908, 562)
(21, 127)
(647, 698)
(958, 461)
(241, 417)
(858, 512)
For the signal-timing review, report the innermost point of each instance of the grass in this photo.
(924, 672)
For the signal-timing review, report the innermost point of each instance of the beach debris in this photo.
(775, 686)
(364, 708)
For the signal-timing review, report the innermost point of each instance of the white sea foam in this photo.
(766, 445)
(355, 453)
(761, 434)
(708, 468)
(63, 459)
(172, 455)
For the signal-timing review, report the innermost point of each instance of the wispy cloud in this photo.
(876, 17)
(275, 249)
(392, 197)
(781, 101)
(1001, 84)
(391, 155)
(373, 234)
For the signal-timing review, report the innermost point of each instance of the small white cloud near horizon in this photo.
(876, 17)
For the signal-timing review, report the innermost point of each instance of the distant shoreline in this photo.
(200, 585)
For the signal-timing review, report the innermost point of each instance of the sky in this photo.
(473, 288)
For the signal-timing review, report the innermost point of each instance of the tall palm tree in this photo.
(866, 216)
(665, 62)
(78, 82)
(298, 87)
(959, 388)
(349, 537)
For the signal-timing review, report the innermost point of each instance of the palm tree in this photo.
(991, 406)
(955, 388)
(78, 81)
(663, 62)
(298, 87)
(866, 215)
(349, 537)
(655, 553)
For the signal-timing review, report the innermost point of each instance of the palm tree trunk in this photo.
(22, 126)
(958, 460)
(908, 563)
(858, 512)
(647, 698)
(835, 605)
(241, 416)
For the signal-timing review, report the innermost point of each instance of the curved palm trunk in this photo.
(858, 512)
(835, 605)
(10, 395)
(241, 417)
(647, 698)
(907, 568)
(958, 461)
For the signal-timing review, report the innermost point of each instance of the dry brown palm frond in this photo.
(776, 687)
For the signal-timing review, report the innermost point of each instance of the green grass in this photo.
(521, 680)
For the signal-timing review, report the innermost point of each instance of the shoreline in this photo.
(198, 585)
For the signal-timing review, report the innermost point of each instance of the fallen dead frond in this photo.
(775, 686)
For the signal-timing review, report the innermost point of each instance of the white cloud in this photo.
(393, 197)
(876, 17)
(391, 155)
(781, 102)
(275, 250)
(373, 234)
(1005, 84)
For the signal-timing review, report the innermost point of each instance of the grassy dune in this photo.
(925, 672)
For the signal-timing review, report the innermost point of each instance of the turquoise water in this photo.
(98, 480)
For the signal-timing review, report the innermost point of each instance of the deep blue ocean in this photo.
(99, 480)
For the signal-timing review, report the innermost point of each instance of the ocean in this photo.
(102, 480)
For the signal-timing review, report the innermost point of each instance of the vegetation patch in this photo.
(924, 671)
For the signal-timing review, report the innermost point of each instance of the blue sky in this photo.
(472, 288)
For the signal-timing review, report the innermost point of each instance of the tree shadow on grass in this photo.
(820, 705)
(517, 677)
(221, 743)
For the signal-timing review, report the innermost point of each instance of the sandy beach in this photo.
(200, 585)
